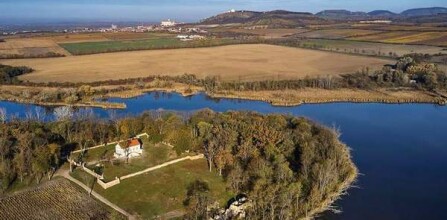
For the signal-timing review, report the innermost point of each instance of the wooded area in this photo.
(289, 167)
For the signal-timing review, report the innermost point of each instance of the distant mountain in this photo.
(281, 18)
(278, 18)
(382, 13)
(341, 14)
(424, 11)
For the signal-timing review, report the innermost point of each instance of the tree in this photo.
(3, 115)
(197, 200)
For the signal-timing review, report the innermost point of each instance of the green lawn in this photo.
(97, 153)
(140, 44)
(154, 154)
(162, 190)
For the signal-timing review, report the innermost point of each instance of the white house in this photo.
(168, 23)
(130, 148)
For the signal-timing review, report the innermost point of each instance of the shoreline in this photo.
(279, 98)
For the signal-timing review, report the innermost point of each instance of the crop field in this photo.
(162, 191)
(266, 33)
(235, 62)
(371, 48)
(85, 48)
(405, 37)
(126, 45)
(56, 199)
(28, 47)
(95, 37)
(338, 33)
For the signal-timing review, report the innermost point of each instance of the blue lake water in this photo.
(401, 150)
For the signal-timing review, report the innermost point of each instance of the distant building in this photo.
(114, 27)
(232, 11)
(130, 148)
(168, 23)
(376, 22)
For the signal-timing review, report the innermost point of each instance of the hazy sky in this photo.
(184, 10)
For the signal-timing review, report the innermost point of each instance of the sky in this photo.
(181, 10)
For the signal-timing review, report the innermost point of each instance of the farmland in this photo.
(236, 62)
(57, 199)
(145, 44)
(28, 48)
(401, 37)
(161, 191)
(368, 48)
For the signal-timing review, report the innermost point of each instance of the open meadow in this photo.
(56, 199)
(235, 62)
(161, 192)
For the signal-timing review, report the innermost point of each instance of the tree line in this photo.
(9, 74)
(287, 166)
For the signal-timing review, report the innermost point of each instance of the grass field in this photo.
(28, 47)
(56, 199)
(153, 155)
(84, 48)
(236, 62)
(163, 190)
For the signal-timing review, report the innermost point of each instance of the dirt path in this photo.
(65, 174)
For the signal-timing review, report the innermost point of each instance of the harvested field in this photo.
(405, 37)
(266, 33)
(338, 33)
(371, 48)
(57, 199)
(95, 37)
(29, 47)
(235, 62)
(76, 38)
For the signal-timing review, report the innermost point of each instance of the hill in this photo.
(341, 14)
(424, 11)
(382, 13)
(275, 19)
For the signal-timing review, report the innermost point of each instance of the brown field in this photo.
(76, 38)
(407, 37)
(57, 199)
(266, 33)
(235, 62)
(29, 47)
(338, 33)
(97, 37)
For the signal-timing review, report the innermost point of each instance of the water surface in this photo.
(401, 150)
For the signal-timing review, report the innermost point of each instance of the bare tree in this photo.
(63, 113)
(3, 115)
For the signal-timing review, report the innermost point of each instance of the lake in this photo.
(401, 150)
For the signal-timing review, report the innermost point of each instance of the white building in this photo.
(130, 148)
(168, 23)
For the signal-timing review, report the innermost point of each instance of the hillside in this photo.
(341, 14)
(273, 19)
(288, 19)
(424, 11)
(382, 13)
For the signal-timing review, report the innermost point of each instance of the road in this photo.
(65, 173)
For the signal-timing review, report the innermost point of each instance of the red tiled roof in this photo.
(130, 143)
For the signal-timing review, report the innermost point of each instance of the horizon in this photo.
(46, 11)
